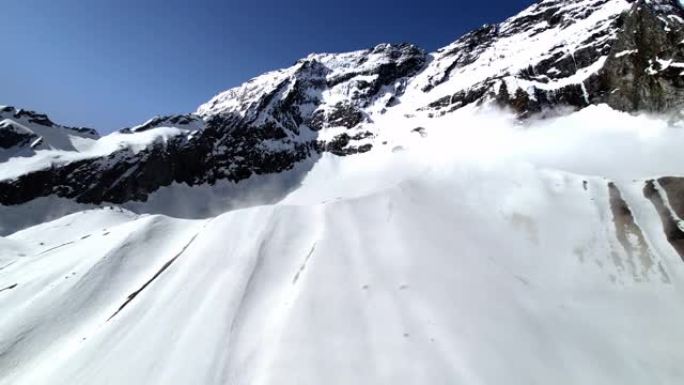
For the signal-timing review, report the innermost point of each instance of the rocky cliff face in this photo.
(646, 63)
(322, 90)
(556, 53)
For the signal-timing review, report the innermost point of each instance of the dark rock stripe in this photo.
(132, 296)
(625, 225)
(9, 287)
(672, 231)
(303, 265)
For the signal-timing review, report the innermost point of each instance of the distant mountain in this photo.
(23, 132)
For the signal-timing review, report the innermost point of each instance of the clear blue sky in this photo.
(108, 64)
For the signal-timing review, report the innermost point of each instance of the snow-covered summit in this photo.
(183, 122)
(322, 90)
(552, 45)
(554, 53)
(563, 53)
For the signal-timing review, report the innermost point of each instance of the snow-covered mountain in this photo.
(553, 55)
(507, 209)
(265, 126)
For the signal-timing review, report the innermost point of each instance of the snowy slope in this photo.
(508, 259)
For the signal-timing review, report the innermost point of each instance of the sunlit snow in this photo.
(484, 252)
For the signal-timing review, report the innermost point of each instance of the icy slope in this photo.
(503, 260)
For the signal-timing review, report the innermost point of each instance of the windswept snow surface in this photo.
(482, 252)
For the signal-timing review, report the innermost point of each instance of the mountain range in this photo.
(555, 55)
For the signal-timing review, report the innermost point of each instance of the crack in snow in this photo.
(3, 267)
(10, 287)
(56, 247)
(303, 266)
(132, 296)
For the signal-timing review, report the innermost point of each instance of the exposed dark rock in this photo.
(420, 131)
(639, 74)
(11, 136)
(340, 145)
(629, 234)
(166, 121)
(34, 117)
(463, 98)
(466, 50)
(344, 115)
(362, 135)
(674, 188)
(673, 232)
